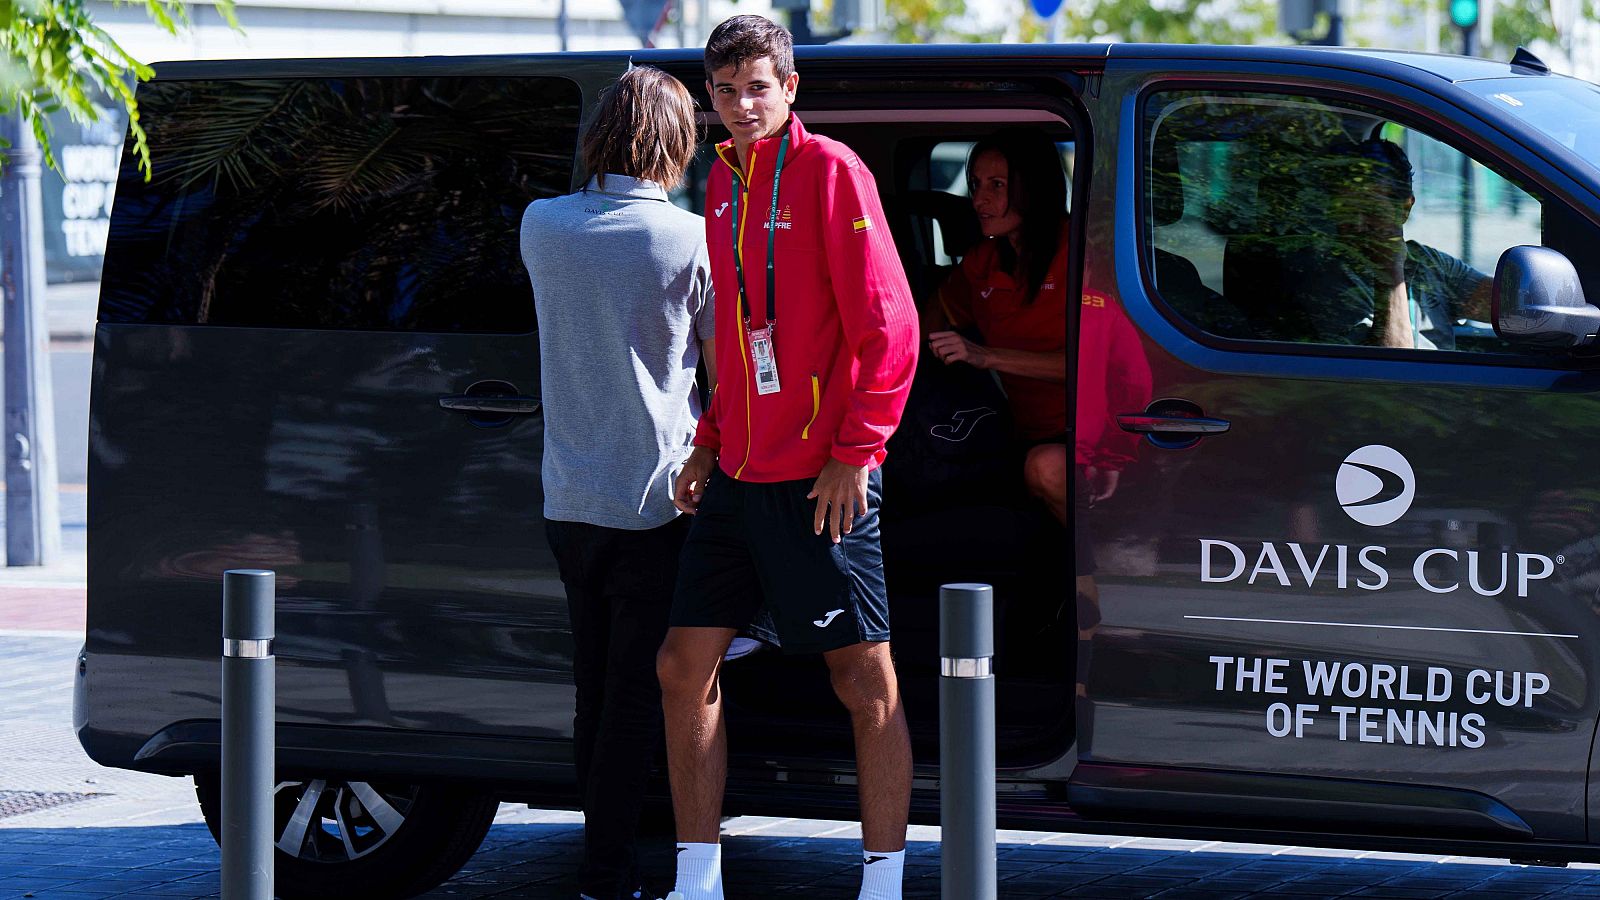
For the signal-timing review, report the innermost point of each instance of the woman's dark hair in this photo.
(644, 127)
(1037, 188)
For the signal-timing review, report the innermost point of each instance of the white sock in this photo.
(699, 871)
(881, 874)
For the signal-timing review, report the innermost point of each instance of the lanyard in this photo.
(772, 233)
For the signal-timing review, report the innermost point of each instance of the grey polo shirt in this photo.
(622, 287)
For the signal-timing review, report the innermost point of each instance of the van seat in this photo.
(958, 224)
(958, 231)
(1265, 276)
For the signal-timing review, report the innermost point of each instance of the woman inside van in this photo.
(1005, 309)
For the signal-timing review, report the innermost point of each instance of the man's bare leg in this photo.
(688, 665)
(864, 679)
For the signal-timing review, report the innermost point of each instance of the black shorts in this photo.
(753, 562)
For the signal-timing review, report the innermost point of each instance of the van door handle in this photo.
(1145, 423)
(477, 403)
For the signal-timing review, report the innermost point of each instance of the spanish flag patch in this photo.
(862, 224)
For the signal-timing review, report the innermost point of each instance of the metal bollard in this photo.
(966, 742)
(249, 714)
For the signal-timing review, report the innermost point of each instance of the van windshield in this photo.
(1566, 109)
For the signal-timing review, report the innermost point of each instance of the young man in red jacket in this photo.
(819, 347)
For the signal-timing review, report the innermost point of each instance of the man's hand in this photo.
(690, 485)
(952, 348)
(1389, 243)
(843, 489)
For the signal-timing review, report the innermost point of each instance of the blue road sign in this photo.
(644, 17)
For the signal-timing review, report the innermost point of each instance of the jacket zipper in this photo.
(744, 339)
(816, 405)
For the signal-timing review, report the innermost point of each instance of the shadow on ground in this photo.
(536, 860)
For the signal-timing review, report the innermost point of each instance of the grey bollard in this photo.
(966, 742)
(249, 714)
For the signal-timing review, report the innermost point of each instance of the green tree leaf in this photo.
(1176, 22)
(927, 21)
(56, 58)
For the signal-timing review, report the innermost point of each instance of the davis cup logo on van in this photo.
(1375, 485)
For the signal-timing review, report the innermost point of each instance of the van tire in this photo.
(442, 827)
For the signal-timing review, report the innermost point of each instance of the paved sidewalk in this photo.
(71, 829)
(70, 310)
(49, 599)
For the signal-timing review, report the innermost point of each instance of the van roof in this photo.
(1446, 67)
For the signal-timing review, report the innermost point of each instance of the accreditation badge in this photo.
(766, 364)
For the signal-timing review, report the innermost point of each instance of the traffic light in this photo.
(1297, 18)
(1464, 13)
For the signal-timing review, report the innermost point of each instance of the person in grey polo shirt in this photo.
(622, 287)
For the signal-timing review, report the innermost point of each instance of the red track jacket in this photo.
(845, 335)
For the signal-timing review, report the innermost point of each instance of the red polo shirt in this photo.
(1113, 375)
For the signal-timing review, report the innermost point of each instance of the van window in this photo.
(1285, 218)
(947, 172)
(364, 203)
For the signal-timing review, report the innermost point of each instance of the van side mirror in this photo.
(1538, 300)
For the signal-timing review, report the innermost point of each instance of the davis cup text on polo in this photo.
(1487, 574)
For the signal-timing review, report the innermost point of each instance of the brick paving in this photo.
(126, 834)
(49, 598)
(44, 608)
(524, 857)
(46, 599)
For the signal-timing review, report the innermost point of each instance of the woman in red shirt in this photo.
(1012, 290)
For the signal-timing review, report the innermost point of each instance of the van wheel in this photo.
(378, 839)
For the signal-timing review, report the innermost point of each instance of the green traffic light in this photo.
(1464, 13)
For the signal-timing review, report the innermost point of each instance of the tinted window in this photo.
(1284, 218)
(371, 203)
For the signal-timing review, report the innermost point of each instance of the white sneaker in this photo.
(741, 646)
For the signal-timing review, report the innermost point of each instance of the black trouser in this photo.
(619, 592)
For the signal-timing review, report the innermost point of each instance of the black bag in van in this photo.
(954, 441)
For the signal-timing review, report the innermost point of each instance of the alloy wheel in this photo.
(326, 820)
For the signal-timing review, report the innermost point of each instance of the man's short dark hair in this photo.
(1389, 167)
(644, 127)
(745, 39)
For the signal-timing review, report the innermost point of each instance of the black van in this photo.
(1349, 594)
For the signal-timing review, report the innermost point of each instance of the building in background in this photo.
(274, 28)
